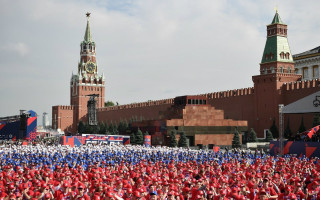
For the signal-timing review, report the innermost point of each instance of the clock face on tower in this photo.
(90, 67)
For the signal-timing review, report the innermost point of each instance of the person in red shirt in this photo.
(298, 191)
(65, 193)
(263, 195)
(136, 195)
(313, 190)
(270, 192)
(81, 193)
(12, 197)
(44, 190)
(287, 194)
(119, 190)
(194, 191)
(222, 196)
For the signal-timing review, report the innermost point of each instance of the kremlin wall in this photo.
(214, 119)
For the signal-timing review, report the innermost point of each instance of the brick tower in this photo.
(85, 82)
(276, 69)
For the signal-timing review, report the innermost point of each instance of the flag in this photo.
(313, 131)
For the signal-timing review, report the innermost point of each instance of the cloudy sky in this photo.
(148, 49)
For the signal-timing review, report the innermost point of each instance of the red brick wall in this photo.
(221, 139)
(236, 107)
(62, 116)
(147, 112)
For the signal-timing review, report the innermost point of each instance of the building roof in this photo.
(275, 45)
(309, 52)
(276, 19)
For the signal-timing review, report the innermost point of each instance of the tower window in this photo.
(289, 70)
(267, 56)
(265, 71)
(282, 55)
(281, 69)
(272, 69)
(287, 55)
(271, 56)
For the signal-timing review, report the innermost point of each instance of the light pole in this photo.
(281, 128)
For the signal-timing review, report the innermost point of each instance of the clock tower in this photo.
(87, 80)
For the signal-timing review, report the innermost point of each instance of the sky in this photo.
(147, 49)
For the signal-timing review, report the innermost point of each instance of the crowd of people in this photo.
(137, 172)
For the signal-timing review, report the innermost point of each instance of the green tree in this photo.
(81, 127)
(274, 129)
(132, 139)
(121, 128)
(173, 139)
(316, 120)
(236, 140)
(183, 142)
(89, 129)
(287, 132)
(101, 128)
(106, 128)
(96, 129)
(126, 126)
(146, 133)
(110, 128)
(108, 104)
(302, 128)
(252, 136)
(139, 137)
(115, 129)
(269, 136)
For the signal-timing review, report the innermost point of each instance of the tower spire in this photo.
(87, 35)
(276, 18)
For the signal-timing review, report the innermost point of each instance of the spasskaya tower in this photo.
(86, 81)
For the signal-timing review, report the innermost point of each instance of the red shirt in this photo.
(65, 196)
(289, 196)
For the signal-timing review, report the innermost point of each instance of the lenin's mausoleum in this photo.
(206, 118)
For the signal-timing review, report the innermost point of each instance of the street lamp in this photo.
(281, 128)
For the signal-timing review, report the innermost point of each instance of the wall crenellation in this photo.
(301, 84)
(214, 95)
(63, 107)
(229, 93)
(138, 105)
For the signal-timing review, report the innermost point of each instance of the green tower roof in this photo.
(276, 19)
(87, 35)
(276, 44)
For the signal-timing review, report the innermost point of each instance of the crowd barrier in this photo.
(309, 149)
(85, 139)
